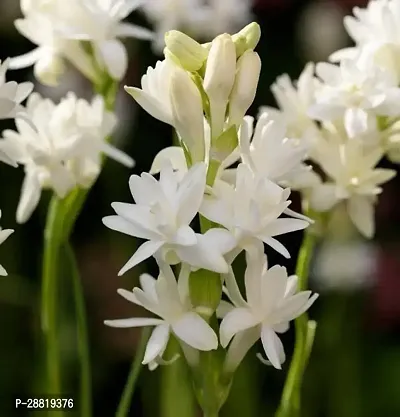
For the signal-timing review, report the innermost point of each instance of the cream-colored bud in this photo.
(247, 38)
(219, 79)
(187, 111)
(245, 87)
(185, 51)
(49, 69)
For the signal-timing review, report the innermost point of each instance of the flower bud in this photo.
(247, 38)
(187, 111)
(184, 51)
(245, 87)
(49, 69)
(219, 79)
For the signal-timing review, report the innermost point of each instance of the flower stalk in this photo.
(290, 405)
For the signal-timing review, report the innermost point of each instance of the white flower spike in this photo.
(169, 300)
(4, 234)
(272, 302)
(162, 214)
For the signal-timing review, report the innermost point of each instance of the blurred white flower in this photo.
(168, 299)
(201, 19)
(374, 29)
(4, 234)
(60, 146)
(162, 214)
(250, 209)
(345, 266)
(353, 178)
(270, 154)
(57, 27)
(293, 102)
(12, 94)
(354, 92)
(272, 302)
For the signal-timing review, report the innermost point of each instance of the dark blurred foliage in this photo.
(355, 365)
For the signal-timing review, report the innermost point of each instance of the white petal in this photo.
(185, 236)
(273, 347)
(233, 290)
(323, 197)
(294, 306)
(361, 212)
(150, 104)
(236, 321)
(4, 234)
(26, 60)
(133, 322)
(239, 347)
(270, 241)
(191, 192)
(118, 155)
(122, 225)
(128, 295)
(194, 331)
(173, 155)
(355, 121)
(129, 30)
(157, 343)
(291, 286)
(223, 309)
(3, 272)
(273, 286)
(30, 196)
(283, 225)
(113, 55)
(144, 252)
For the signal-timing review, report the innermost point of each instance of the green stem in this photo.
(82, 336)
(291, 396)
(129, 389)
(52, 238)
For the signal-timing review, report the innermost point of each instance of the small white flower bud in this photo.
(187, 111)
(184, 51)
(219, 79)
(245, 87)
(247, 38)
(49, 69)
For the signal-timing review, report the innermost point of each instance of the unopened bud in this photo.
(187, 110)
(245, 87)
(219, 79)
(247, 38)
(184, 51)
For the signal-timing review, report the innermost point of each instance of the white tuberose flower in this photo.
(354, 92)
(270, 154)
(272, 302)
(60, 147)
(251, 209)
(170, 301)
(162, 214)
(4, 234)
(58, 26)
(353, 178)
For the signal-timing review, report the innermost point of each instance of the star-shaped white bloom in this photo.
(374, 29)
(293, 101)
(162, 214)
(272, 302)
(271, 154)
(354, 92)
(250, 209)
(4, 234)
(353, 178)
(59, 146)
(170, 301)
(57, 28)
